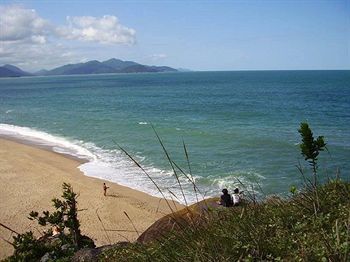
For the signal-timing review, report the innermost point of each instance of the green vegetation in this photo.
(310, 148)
(63, 244)
(276, 229)
(65, 216)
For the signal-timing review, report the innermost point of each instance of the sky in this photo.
(197, 35)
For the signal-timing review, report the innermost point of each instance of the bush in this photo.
(62, 245)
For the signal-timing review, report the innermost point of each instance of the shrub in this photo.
(60, 246)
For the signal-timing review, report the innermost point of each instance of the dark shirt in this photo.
(226, 200)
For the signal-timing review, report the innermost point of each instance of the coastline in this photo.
(42, 147)
(31, 176)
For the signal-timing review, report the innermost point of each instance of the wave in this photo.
(56, 143)
(110, 165)
(114, 166)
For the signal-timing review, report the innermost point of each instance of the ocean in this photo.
(238, 127)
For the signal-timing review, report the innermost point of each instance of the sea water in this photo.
(238, 127)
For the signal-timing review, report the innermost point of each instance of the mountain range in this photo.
(91, 67)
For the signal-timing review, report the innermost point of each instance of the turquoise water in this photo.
(235, 124)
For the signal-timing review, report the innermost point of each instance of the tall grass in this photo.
(272, 230)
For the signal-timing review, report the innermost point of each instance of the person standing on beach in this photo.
(105, 189)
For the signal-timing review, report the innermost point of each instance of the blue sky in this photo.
(199, 35)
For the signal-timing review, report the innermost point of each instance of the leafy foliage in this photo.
(28, 248)
(310, 148)
(65, 216)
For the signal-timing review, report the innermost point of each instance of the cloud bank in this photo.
(105, 30)
(28, 40)
(17, 24)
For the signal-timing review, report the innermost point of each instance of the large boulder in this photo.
(193, 215)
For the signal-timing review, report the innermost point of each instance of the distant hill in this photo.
(91, 67)
(183, 70)
(109, 66)
(41, 72)
(142, 68)
(12, 71)
(118, 64)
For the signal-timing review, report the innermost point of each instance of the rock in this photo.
(189, 216)
(67, 247)
(50, 240)
(45, 257)
(91, 254)
(86, 255)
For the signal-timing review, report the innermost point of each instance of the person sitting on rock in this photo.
(226, 199)
(236, 197)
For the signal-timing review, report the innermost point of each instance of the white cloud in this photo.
(105, 30)
(157, 57)
(28, 40)
(20, 24)
(25, 40)
(34, 56)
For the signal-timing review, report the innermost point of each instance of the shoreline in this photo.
(42, 146)
(96, 161)
(31, 176)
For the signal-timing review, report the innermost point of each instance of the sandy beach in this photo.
(30, 177)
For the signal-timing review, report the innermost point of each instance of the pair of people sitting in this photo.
(227, 200)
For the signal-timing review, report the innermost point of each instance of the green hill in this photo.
(109, 66)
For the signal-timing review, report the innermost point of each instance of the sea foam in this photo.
(111, 165)
(58, 144)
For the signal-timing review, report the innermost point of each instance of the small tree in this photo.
(63, 245)
(65, 216)
(310, 148)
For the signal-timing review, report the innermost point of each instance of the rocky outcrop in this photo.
(194, 215)
(189, 216)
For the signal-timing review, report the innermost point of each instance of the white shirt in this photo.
(236, 199)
